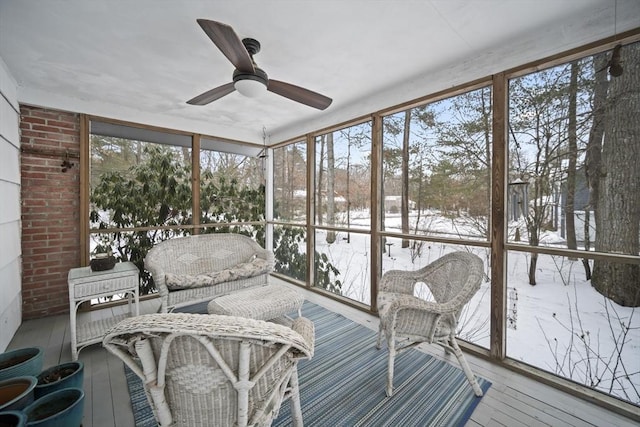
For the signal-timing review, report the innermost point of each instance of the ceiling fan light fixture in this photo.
(250, 88)
(248, 78)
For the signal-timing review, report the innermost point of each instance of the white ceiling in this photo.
(141, 60)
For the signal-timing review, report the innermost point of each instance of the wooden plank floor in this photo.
(513, 399)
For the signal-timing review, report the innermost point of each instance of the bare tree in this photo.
(538, 127)
(581, 354)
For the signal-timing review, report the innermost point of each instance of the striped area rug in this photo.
(344, 383)
(142, 413)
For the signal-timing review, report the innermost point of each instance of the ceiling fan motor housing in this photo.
(258, 75)
(252, 46)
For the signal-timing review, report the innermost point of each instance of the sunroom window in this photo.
(574, 184)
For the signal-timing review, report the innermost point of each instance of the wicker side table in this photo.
(261, 303)
(85, 285)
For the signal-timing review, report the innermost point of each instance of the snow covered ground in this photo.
(562, 324)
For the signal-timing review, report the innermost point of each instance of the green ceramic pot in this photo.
(21, 362)
(65, 375)
(13, 419)
(16, 393)
(62, 408)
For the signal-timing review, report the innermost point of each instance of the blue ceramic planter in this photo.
(16, 393)
(13, 419)
(62, 408)
(21, 362)
(66, 375)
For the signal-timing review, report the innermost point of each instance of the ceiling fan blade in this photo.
(212, 95)
(299, 94)
(229, 43)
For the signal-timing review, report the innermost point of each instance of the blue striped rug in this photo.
(344, 383)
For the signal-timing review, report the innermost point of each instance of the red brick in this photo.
(62, 124)
(50, 200)
(36, 120)
(43, 112)
(27, 133)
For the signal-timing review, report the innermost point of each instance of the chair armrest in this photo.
(398, 281)
(267, 255)
(410, 316)
(409, 302)
(403, 282)
(158, 274)
(306, 329)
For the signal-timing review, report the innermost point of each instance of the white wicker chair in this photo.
(453, 280)
(210, 370)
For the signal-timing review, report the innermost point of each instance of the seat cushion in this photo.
(245, 270)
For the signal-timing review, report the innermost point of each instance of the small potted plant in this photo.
(103, 261)
(65, 375)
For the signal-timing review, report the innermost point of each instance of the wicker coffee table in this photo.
(261, 303)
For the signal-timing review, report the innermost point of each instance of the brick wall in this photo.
(50, 208)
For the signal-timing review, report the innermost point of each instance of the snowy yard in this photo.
(562, 325)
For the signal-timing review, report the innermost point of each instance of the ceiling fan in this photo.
(248, 78)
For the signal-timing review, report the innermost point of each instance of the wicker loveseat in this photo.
(192, 269)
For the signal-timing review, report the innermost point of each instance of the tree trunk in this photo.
(348, 189)
(569, 209)
(320, 183)
(404, 202)
(420, 196)
(533, 241)
(487, 115)
(532, 269)
(594, 147)
(587, 243)
(617, 219)
(331, 175)
(289, 171)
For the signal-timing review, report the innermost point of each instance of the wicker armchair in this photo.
(453, 280)
(205, 370)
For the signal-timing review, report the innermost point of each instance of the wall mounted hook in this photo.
(66, 164)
